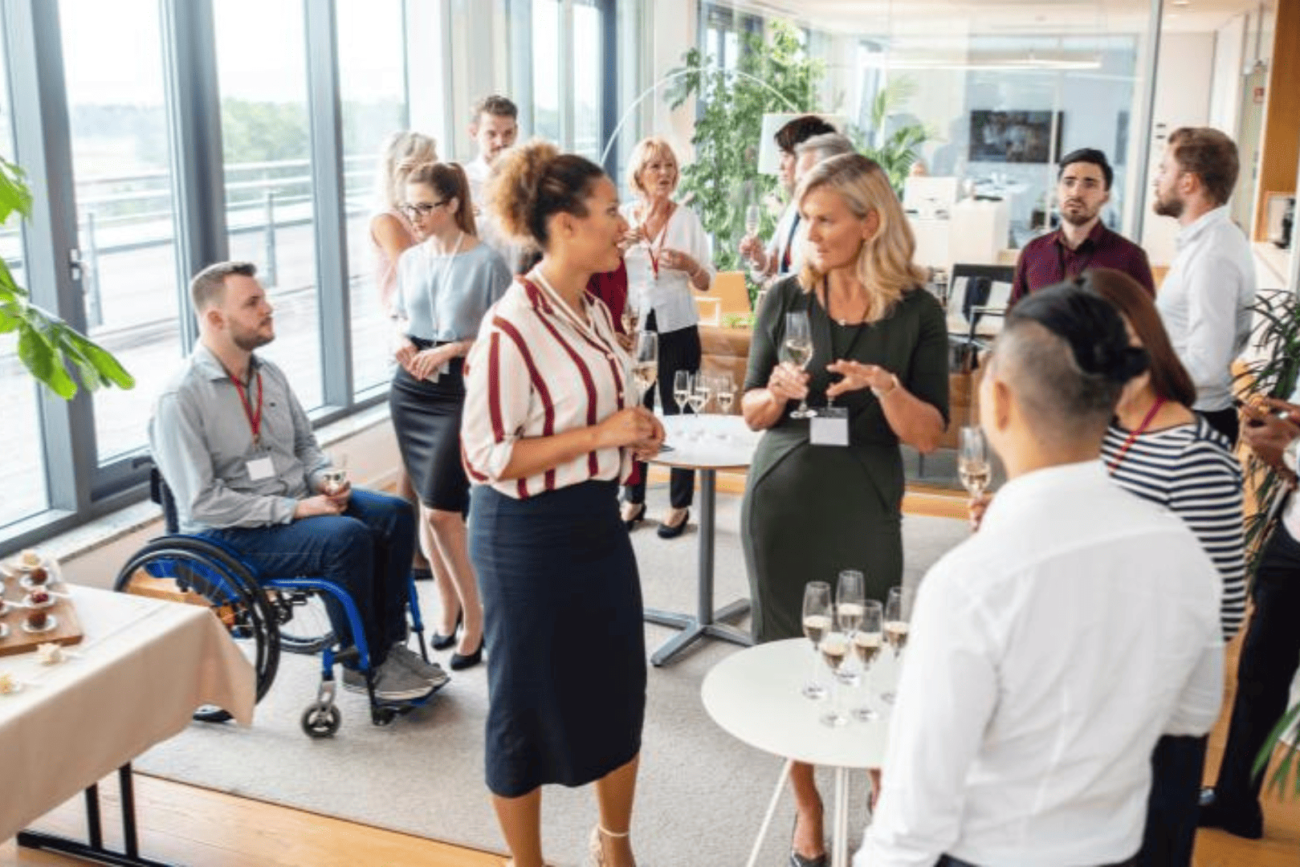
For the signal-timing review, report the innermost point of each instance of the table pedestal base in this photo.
(93, 850)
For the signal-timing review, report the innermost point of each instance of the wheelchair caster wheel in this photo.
(382, 716)
(321, 722)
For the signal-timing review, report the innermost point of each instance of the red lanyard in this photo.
(1134, 434)
(254, 418)
(650, 248)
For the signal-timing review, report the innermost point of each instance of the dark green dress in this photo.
(811, 511)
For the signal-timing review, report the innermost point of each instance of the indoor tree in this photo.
(53, 352)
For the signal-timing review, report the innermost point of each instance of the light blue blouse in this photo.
(444, 297)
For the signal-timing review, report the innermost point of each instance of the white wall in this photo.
(1229, 57)
(1183, 79)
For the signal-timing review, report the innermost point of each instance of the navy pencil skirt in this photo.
(565, 637)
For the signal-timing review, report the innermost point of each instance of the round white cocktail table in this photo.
(755, 696)
(705, 443)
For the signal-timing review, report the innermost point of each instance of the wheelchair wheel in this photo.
(304, 623)
(192, 570)
(321, 722)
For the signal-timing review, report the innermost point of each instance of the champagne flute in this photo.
(797, 350)
(681, 389)
(866, 647)
(834, 649)
(816, 623)
(631, 315)
(850, 597)
(973, 460)
(898, 613)
(645, 363)
(752, 215)
(724, 391)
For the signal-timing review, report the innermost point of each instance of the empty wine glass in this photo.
(816, 623)
(645, 363)
(797, 350)
(973, 460)
(866, 647)
(752, 216)
(898, 614)
(681, 389)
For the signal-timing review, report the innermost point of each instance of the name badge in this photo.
(830, 427)
(260, 468)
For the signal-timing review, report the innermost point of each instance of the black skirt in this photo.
(566, 643)
(426, 417)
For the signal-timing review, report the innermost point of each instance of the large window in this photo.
(588, 79)
(125, 215)
(546, 69)
(266, 140)
(372, 74)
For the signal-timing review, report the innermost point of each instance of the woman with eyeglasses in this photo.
(445, 285)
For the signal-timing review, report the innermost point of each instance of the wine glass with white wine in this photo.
(645, 363)
(631, 315)
(724, 392)
(816, 623)
(797, 350)
(866, 647)
(973, 460)
(898, 615)
(834, 649)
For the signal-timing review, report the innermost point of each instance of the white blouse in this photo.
(539, 369)
(667, 291)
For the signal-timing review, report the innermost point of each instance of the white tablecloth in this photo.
(145, 665)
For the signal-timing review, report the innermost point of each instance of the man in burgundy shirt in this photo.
(1083, 188)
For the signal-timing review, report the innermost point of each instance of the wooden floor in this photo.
(204, 828)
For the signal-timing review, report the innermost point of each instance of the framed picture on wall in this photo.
(1015, 136)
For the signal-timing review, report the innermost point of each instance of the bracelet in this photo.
(893, 385)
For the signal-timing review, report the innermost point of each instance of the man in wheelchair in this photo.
(238, 452)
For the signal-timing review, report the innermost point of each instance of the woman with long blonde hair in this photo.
(814, 507)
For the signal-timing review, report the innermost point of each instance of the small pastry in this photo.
(37, 619)
(29, 559)
(50, 653)
(38, 576)
(7, 683)
(39, 597)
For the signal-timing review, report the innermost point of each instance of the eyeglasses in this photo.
(421, 209)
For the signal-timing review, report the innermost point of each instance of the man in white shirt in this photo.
(494, 128)
(1051, 650)
(1205, 298)
(1270, 651)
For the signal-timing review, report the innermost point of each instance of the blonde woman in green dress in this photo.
(880, 352)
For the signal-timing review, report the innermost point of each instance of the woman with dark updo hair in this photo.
(551, 428)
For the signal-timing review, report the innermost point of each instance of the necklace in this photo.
(846, 321)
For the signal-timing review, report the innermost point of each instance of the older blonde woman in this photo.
(667, 256)
(880, 350)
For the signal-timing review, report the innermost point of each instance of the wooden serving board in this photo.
(19, 640)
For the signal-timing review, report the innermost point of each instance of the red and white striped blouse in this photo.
(538, 369)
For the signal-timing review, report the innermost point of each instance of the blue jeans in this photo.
(366, 551)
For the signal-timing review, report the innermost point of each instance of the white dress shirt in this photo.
(478, 172)
(538, 369)
(1204, 303)
(668, 292)
(1047, 655)
(787, 236)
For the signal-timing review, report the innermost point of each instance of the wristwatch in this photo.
(893, 384)
(1291, 455)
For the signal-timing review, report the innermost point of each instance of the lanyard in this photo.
(1060, 258)
(254, 418)
(663, 237)
(1134, 434)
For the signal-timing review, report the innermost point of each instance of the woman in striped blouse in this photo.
(1160, 450)
(550, 428)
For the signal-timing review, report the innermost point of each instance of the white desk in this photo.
(707, 454)
(144, 667)
(755, 695)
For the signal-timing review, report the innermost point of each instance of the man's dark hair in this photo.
(495, 105)
(1067, 356)
(800, 130)
(1087, 155)
(209, 285)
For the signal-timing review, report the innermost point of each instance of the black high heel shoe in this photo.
(442, 642)
(672, 531)
(631, 522)
(469, 660)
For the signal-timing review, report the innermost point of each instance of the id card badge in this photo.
(260, 468)
(830, 427)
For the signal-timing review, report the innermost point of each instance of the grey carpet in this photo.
(700, 797)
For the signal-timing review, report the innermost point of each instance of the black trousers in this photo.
(1225, 421)
(678, 350)
(1173, 804)
(1270, 654)
(949, 861)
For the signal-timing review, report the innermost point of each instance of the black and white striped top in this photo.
(1190, 470)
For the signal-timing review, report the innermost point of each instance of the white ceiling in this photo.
(1011, 17)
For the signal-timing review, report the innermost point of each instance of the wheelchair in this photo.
(265, 615)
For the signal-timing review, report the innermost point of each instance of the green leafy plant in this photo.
(894, 150)
(1274, 374)
(47, 346)
(771, 76)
